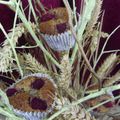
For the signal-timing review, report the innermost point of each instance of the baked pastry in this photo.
(55, 29)
(34, 93)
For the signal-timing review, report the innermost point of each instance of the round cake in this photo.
(32, 94)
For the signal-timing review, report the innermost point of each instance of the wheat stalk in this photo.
(112, 80)
(19, 31)
(65, 76)
(95, 15)
(95, 39)
(6, 53)
(5, 58)
(108, 62)
(32, 64)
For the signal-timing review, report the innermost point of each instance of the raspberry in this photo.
(37, 84)
(61, 27)
(109, 104)
(11, 91)
(37, 103)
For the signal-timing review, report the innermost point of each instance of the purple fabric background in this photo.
(111, 19)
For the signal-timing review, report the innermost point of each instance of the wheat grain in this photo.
(19, 31)
(5, 58)
(65, 76)
(110, 60)
(6, 53)
(112, 80)
(95, 15)
(34, 65)
(95, 39)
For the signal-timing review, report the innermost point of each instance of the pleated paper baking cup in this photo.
(34, 115)
(61, 42)
(31, 115)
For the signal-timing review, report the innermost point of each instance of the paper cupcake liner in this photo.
(60, 42)
(31, 115)
(34, 115)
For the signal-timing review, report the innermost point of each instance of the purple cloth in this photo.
(6, 19)
(51, 3)
(111, 21)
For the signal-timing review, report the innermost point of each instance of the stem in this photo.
(94, 95)
(85, 19)
(99, 36)
(27, 47)
(41, 6)
(77, 39)
(102, 51)
(8, 114)
(110, 51)
(72, 59)
(33, 11)
(6, 3)
(90, 109)
(14, 24)
(13, 49)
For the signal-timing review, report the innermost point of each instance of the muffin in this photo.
(33, 96)
(55, 29)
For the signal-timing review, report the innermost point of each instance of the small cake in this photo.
(55, 29)
(34, 93)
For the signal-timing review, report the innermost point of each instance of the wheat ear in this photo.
(65, 76)
(6, 53)
(95, 15)
(108, 62)
(32, 64)
(112, 80)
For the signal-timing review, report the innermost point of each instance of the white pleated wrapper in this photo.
(34, 115)
(60, 42)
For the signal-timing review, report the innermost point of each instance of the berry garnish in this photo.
(61, 27)
(11, 91)
(38, 83)
(47, 17)
(109, 104)
(38, 104)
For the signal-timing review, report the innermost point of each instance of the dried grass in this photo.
(65, 75)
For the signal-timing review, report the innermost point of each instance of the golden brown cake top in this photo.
(55, 21)
(32, 94)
